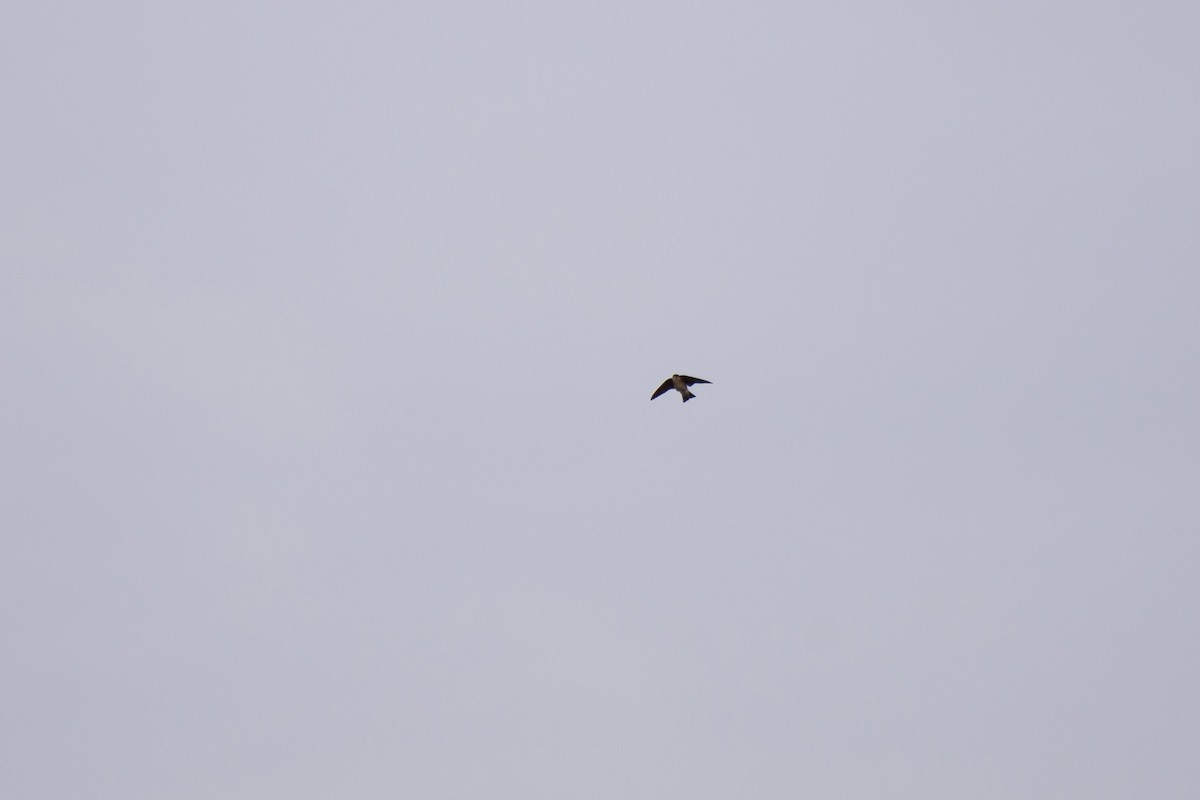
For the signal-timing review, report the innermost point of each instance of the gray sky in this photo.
(328, 333)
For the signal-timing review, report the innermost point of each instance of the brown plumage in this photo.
(679, 383)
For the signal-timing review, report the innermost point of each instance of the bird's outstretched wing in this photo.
(666, 387)
(693, 381)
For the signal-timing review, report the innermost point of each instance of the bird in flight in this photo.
(679, 383)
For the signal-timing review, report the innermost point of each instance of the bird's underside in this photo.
(679, 383)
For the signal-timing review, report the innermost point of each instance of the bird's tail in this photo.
(686, 394)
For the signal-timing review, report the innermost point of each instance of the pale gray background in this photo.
(328, 332)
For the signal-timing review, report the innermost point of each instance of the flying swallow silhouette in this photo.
(679, 383)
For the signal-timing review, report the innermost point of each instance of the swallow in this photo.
(679, 383)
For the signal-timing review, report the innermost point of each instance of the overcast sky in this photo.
(328, 464)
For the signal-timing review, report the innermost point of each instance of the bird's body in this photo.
(679, 383)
